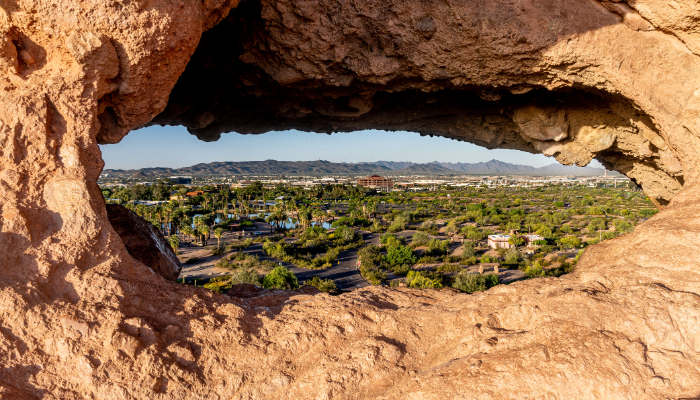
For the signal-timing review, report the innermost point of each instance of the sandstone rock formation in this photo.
(577, 80)
(144, 242)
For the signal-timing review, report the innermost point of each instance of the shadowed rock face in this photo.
(144, 242)
(539, 76)
(611, 80)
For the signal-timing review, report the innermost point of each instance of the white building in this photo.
(499, 241)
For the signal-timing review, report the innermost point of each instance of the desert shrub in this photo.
(192, 260)
(469, 260)
(429, 227)
(422, 279)
(401, 270)
(472, 233)
(218, 251)
(390, 240)
(436, 248)
(245, 275)
(426, 260)
(534, 271)
(448, 268)
(571, 242)
(468, 249)
(397, 225)
(470, 283)
(486, 259)
(492, 280)
(240, 246)
(512, 256)
(370, 255)
(246, 224)
(420, 239)
(344, 234)
(563, 268)
(373, 275)
(217, 285)
(400, 255)
(280, 278)
(324, 285)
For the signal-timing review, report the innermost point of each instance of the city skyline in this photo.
(174, 147)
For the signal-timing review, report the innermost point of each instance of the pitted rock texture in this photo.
(571, 80)
(612, 80)
(144, 242)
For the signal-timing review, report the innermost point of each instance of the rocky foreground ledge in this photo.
(80, 317)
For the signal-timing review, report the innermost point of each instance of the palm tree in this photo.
(203, 231)
(303, 216)
(187, 231)
(333, 214)
(174, 242)
(372, 209)
(218, 233)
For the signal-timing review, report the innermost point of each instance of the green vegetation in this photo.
(280, 278)
(314, 249)
(470, 283)
(441, 221)
(324, 285)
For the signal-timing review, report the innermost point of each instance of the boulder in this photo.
(144, 242)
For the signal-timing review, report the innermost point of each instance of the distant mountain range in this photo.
(273, 167)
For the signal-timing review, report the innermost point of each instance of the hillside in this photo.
(276, 168)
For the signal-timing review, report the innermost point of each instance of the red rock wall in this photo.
(79, 317)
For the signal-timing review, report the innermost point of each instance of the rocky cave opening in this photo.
(612, 80)
(245, 76)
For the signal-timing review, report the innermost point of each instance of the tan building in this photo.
(499, 241)
(529, 239)
(376, 182)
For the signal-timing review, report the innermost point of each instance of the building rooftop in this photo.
(499, 237)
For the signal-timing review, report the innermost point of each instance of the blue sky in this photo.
(174, 147)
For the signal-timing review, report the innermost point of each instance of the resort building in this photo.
(499, 241)
(376, 182)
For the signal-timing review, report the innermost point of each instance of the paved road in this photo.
(344, 271)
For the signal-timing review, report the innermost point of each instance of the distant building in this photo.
(181, 180)
(195, 193)
(530, 239)
(499, 241)
(242, 184)
(376, 182)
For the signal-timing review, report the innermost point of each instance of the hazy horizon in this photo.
(174, 147)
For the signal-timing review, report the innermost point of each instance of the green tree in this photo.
(324, 285)
(203, 231)
(470, 283)
(141, 192)
(370, 256)
(174, 242)
(400, 255)
(218, 233)
(516, 241)
(280, 278)
(245, 275)
(512, 257)
(571, 242)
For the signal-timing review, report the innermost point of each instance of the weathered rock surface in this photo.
(577, 80)
(144, 242)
